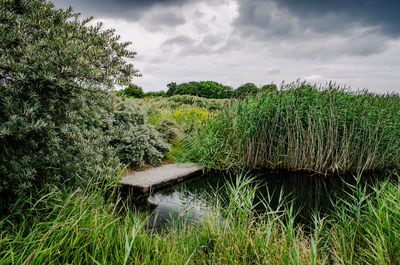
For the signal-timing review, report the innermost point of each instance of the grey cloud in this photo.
(328, 48)
(292, 28)
(188, 46)
(180, 40)
(273, 71)
(211, 40)
(383, 14)
(131, 10)
(158, 20)
(288, 16)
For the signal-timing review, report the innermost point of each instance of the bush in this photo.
(135, 142)
(57, 119)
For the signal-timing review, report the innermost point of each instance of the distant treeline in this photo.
(206, 89)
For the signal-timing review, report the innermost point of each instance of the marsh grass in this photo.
(84, 228)
(179, 115)
(303, 128)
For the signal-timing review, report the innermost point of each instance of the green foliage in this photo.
(364, 228)
(167, 129)
(269, 88)
(85, 229)
(206, 89)
(56, 116)
(132, 90)
(303, 128)
(82, 227)
(135, 142)
(246, 89)
(171, 88)
(155, 94)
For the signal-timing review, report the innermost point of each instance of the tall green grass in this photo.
(84, 228)
(329, 130)
(365, 228)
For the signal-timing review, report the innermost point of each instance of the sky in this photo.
(354, 43)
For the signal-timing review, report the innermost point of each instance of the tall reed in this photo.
(83, 228)
(301, 127)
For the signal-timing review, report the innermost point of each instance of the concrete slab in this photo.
(160, 177)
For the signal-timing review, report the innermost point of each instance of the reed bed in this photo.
(325, 130)
(84, 228)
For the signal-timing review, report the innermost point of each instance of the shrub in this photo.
(167, 130)
(56, 117)
(135, 142)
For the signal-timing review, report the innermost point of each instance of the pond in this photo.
(193, 199)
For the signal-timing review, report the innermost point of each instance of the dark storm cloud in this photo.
(381, 13)
(125, 9)
(294, 17)
(320, 29)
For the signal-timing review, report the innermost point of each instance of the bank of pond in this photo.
(246, 218)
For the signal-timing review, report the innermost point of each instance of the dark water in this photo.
(193, 199)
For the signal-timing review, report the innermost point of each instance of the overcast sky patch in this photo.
(261, 41)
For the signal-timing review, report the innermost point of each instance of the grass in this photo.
(299, 128)
(176, 116)
(303, 128)
(84, 228)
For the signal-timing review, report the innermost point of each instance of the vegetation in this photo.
(206, 89)
(155, 94)
(132, 90)
(58, 123)
(303, 128)
(64, 139)
(245, 90)
(177, 116)
(85, 229)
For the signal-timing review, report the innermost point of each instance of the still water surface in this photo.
(193, 199)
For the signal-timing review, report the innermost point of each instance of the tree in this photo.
(171, 89)
(57, 117)
(132, 90)
(154, 94)
(246, 89)
(269, 88)
(206, 89)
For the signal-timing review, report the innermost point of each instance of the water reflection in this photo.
(193, 199)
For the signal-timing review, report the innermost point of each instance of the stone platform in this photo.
(160, 177)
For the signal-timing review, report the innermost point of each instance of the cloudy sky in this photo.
(352, 42)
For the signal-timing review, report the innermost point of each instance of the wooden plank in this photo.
(160, 177)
